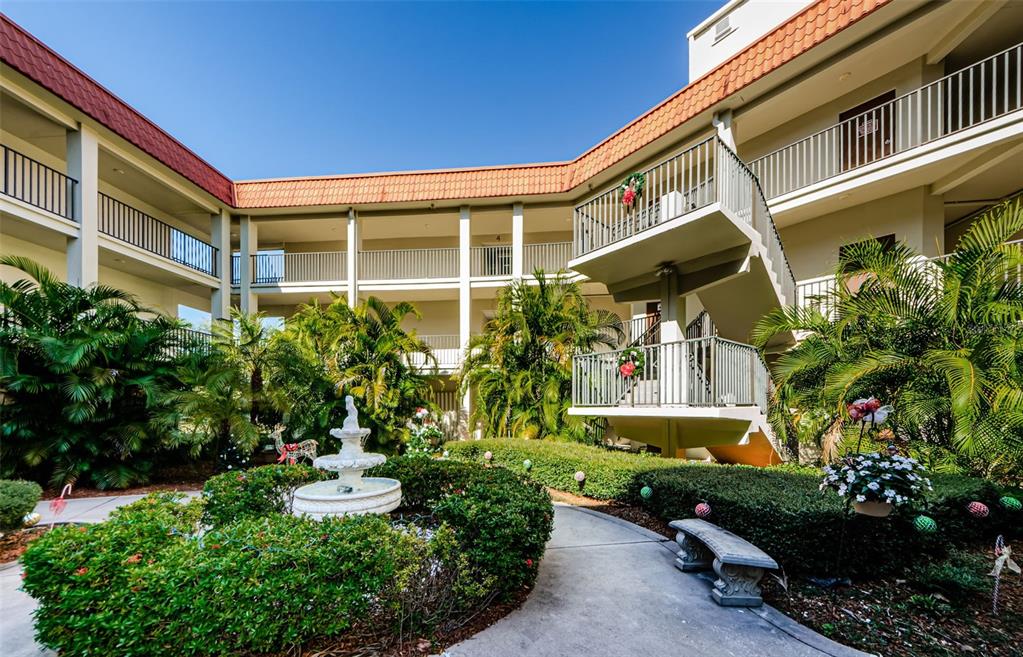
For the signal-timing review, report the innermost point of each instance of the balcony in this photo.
(446, 349)
(703, 215)
(818, 292)
(490, 261)
(551, 257)
(987, 90)
(408, 264)
(36, 184)
(705, 372)
(319, 267)
(131, 226)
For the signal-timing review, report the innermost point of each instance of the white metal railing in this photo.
(551, 257)
(816, 293)
(682, 183)
(400, 264)
(991, 88)
(451, 412)
(490, 260)
(446, 349)
(311, 267)
(645, 329)
(701, 372)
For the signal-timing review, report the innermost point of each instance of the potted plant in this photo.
(875, 483)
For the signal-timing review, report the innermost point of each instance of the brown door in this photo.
(866, 131)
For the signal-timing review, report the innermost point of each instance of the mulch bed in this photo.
(13, 544)
(365, 646)
(892, 618)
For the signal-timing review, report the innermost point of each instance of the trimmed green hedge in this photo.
(154, 580)
(17, 498)
(779, 509)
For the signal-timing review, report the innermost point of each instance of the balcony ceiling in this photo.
(23, 122)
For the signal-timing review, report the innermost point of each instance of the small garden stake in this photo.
(1003, 559)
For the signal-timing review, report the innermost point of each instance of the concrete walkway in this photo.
(607, 588)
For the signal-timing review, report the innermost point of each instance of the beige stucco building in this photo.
(807, 126)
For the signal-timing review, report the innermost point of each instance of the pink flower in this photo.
(627, 369)
(628, 197)
(81, 571)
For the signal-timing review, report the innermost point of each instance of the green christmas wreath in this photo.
(630, 362)
(632, 188)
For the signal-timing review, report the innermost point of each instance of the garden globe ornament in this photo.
(925, 524)
(527, 465)
(978, 509)
(703, 510)
(31, 519)
(580, 478)
(488, 456)
(646, 492)
(350, 493)
(1010, 503)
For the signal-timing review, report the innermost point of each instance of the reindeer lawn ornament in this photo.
(292, 452)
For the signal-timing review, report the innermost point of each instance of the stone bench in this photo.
(738, 563)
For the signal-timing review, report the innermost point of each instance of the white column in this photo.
(723, 123)
(220, 232)
(517, 246)
(83, 166)
(249, 237)
(464, 291)
(352, 273)
(673, 372)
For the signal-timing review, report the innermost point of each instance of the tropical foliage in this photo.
(940, 340)
(520, 366)
(327, 352)
(82, 377)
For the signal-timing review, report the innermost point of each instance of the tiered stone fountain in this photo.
(350, 493)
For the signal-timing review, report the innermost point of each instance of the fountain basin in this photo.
(371, 495)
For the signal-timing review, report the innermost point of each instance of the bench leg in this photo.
(737, 586)
(692, 554)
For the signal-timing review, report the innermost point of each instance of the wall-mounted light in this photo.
(120, 171)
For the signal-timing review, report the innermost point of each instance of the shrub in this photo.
(502, 522)
(781, 510)
(608, 474)
(153, 580)
(961, 575)
(17, 498)
(255, 492)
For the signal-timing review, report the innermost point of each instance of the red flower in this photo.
(215, 546)
(81, 571)
(241, 477)
(627, 368)
(529, 563)
(24, 574)
(628, 197)
(135, 558)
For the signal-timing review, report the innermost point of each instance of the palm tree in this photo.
(520, 367)
(365, 352)
(82, 372)
(940, 340)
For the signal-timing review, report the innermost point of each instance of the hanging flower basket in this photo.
(630, 362)
(631, 188)
(875, 483)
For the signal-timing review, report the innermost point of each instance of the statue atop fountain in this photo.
(350, 493)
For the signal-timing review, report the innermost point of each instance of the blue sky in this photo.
(286, 89)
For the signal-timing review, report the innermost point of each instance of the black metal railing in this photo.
(188, 340)
(38, 185)
(123, 222)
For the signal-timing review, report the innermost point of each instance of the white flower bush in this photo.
(424, 434)
(877, 477)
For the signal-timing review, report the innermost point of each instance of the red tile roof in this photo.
(33, 59)
(814, 24)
